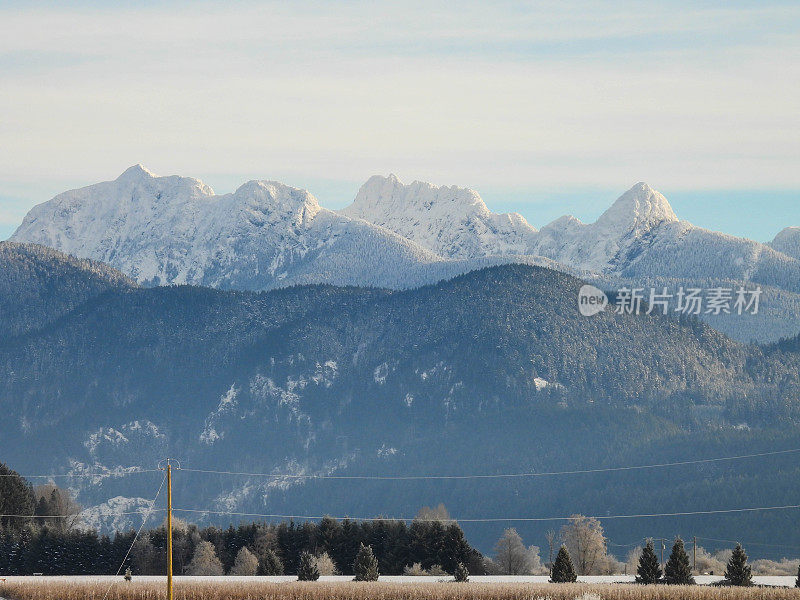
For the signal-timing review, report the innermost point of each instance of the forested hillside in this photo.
(492, 372)
(39, 284)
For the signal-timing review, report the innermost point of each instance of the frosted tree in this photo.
(512, 557)
(205, 561)
(325, 564)
(245, 563)
(586, 542)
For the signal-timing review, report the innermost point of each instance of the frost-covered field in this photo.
(772, 580)
(390, 588)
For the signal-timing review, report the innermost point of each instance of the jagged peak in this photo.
(641, 207)
(389, 193)
(138, 174)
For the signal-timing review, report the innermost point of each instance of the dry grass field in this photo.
(231, 589)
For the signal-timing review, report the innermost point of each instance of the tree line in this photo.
(47, 542)
(276, 548)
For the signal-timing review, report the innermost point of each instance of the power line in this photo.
(118, 473)
(492, 519)
(496, 476)
(137, 470)
(748, 543)
(111, 514)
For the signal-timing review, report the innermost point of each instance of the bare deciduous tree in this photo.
(513, 558)
(586, 543)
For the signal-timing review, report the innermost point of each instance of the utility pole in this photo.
(169, 531)
(662, 554)
(694, 554)
(168, 469)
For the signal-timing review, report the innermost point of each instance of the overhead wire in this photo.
(117, 473)
(493, 519)
(490, 475)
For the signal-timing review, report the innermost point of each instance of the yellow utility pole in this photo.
(168, 469)
(169, 531)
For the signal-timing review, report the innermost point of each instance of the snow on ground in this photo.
(787, 581)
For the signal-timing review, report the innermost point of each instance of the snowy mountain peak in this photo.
(451, 221)
(136, 172)
(140, 177)
(275, 197)
(638, 209)
(564, 222)
(382, 195)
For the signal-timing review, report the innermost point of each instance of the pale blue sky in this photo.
(546, 108)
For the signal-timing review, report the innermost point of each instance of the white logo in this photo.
(591, 300)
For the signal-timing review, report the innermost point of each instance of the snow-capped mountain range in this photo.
(638, 235)
(176, 230)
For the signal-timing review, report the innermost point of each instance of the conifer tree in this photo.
(16, 498)
(461, 574)
(738, 571)
(649, 569)
(269, 563)
(563, 569)
(365, 566)
(677, 571)
(307, 568)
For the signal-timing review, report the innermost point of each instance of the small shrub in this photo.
(414, 570)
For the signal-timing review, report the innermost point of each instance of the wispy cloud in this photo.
(579, 94)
